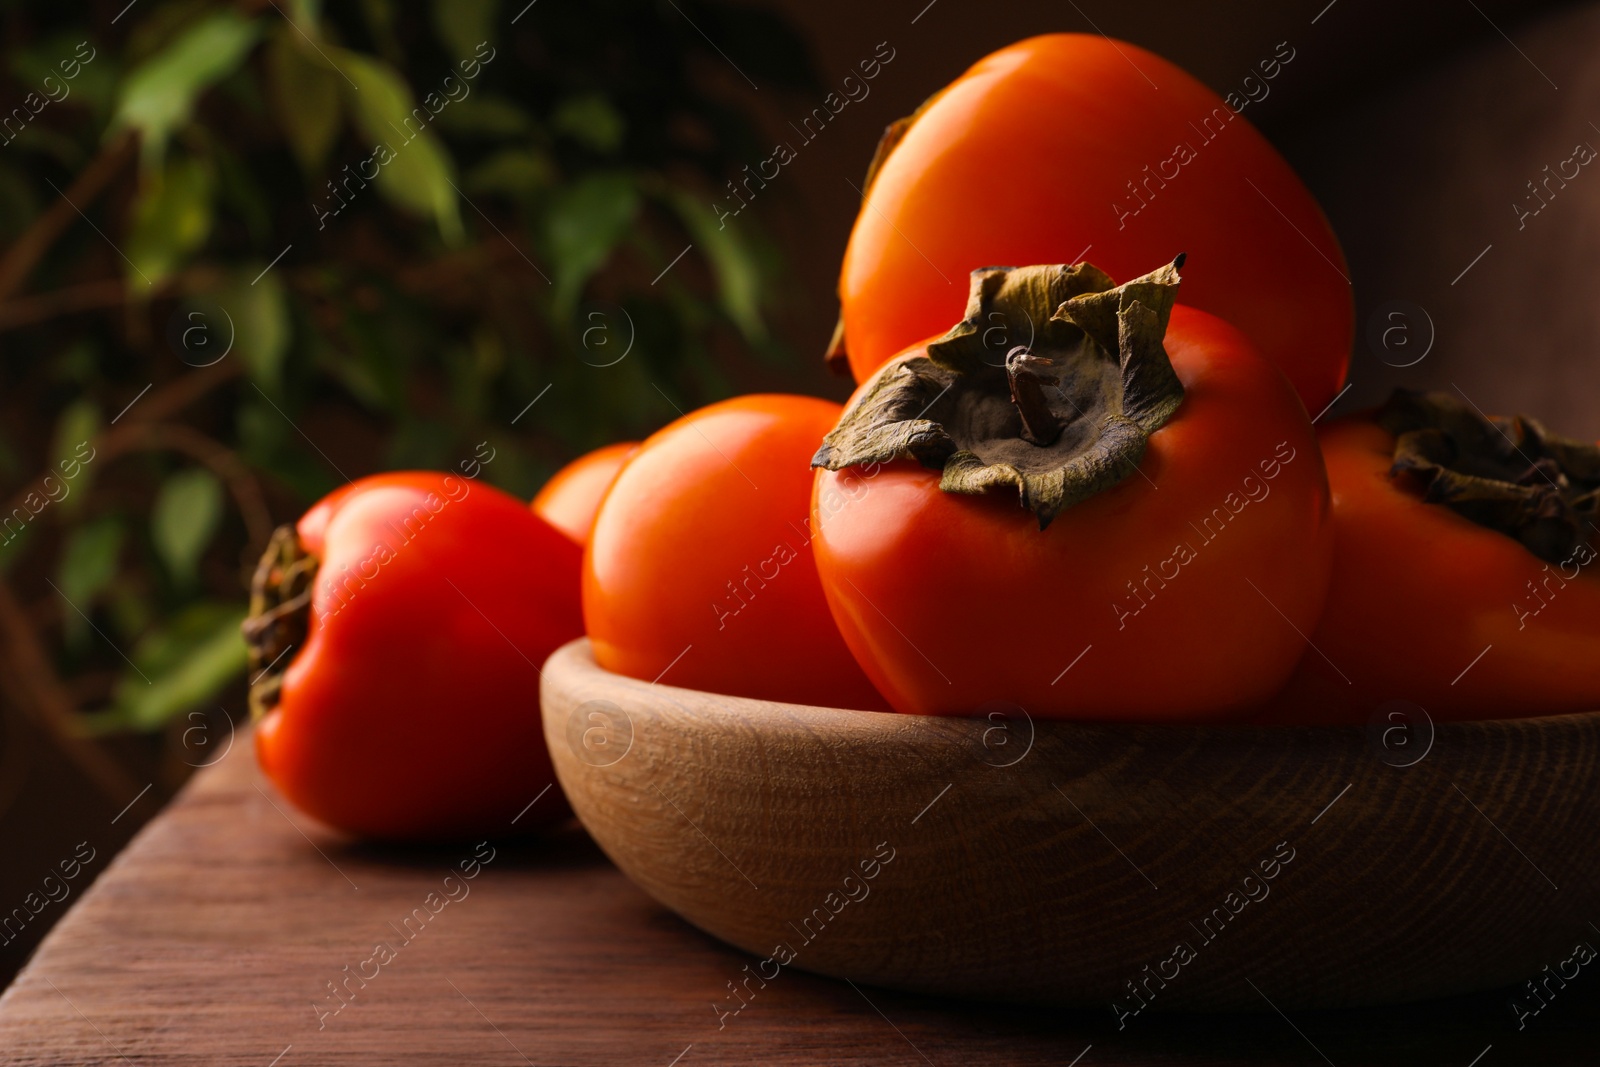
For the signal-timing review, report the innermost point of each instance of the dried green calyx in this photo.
(280, 615)
(1508, 474)
(1051, 385)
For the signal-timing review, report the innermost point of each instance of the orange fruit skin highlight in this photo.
(1179, 594)
(699, 571)
(571, 498)
(1074, 147)
(411, 710)
(1428, 607)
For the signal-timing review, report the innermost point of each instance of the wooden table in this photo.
(214, 937)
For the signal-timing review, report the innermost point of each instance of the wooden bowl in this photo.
(1118, 867)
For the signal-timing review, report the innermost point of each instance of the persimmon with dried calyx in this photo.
(396, 634)
(571, 498)
(1072, 144)
(1465, 578)
(1125, 518)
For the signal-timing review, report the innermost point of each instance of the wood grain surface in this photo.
(210, 940)
(1093, 865)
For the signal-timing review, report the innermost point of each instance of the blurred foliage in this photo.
(381, 229)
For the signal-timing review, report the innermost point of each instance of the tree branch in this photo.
(172, 397)
(25, 254)
(25, 311)
(31, 684)
(28, 679)
(220, 459)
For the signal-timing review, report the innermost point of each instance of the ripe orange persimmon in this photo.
(1172, 546)
(1077, 145)
(1465, 578)
(699, 571)
(571, 498)
(396, 636)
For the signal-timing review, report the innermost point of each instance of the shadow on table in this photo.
(1476, 1030)
(1457, 1030)
(564, 846)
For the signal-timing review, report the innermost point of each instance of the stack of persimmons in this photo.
(1094, 484)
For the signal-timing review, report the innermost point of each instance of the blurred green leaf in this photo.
(78, 363)
(413, 169)
(34, 61)
(514, 471)
(96, 85)
(464, 24)
(88, 564)
(488, 353)
(159, 95)
(375, 355)
(171, 220)
(187, 511)
(305, 95)
(260, 314)
(356, 375)
(89, 561)
(71, 454)
(483, 115)
(382, 345)
(422, 444)
(585, 222)
(264, 443)
(65, 66)
(380, 17)
(160, 25)
(306, 15)
(515, 172)
(734, 261)
(592, 121)
(186, 662)
(131, 610)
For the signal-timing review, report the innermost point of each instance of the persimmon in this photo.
(396, 636)
(1078, 145)
(1125, 517)
(1464, 569)
(571, 498)
(699, 572)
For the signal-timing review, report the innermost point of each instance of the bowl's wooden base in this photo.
(1130, 868)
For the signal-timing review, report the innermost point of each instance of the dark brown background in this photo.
(1413, 123)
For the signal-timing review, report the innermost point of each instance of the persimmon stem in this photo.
(280, 615)
(1040, 426)
(1506, 474)
(1060, 419)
